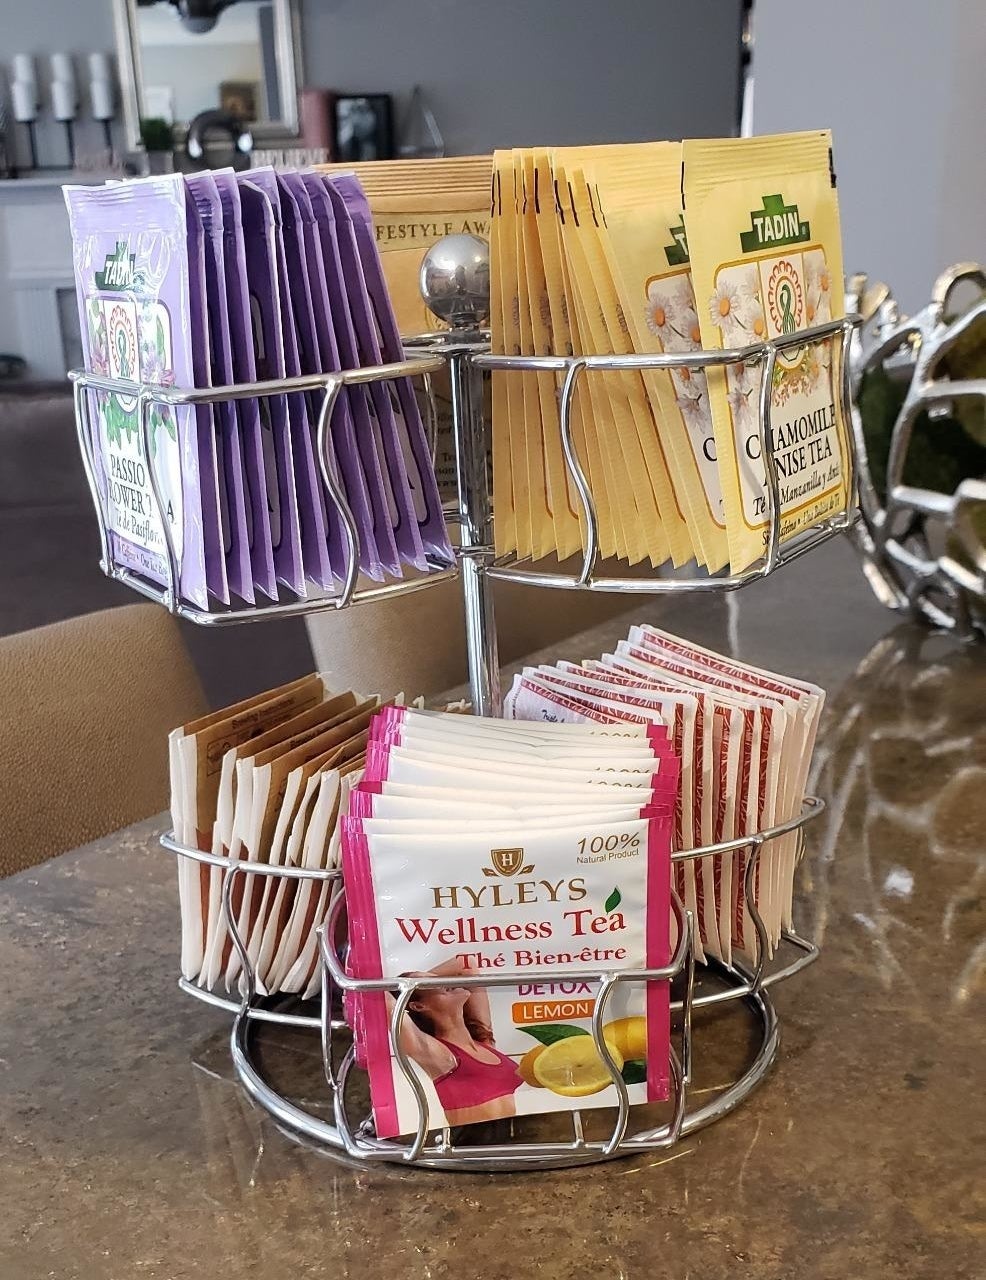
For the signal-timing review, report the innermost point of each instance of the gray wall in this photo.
(900, 84)
(501, 73)
(496, 72)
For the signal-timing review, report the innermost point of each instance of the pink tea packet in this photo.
(139, 268)
(492, 911)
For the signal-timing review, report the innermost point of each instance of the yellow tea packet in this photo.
(511, 525)
(607, 467)
(762, 221)
(560, 498)
(642, 236)
(664, 528)
(539, 517)
(559, 319)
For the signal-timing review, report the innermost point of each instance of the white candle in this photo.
(102, 100)
(63, 68)
(63, 100)
(23, 65)
(25, 98)
(99, 67)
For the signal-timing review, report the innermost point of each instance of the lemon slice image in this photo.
(526, 1066)
(573, 1068)
(629, 1035)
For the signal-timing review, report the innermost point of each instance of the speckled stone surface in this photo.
(127, 1150)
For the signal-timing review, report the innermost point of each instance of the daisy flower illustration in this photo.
(659, 311)
(726, 303)
(693, 412)
(690, 383)
(754, 321)
(735, 306)
(688, 330)
(741, 405)
(818, 305)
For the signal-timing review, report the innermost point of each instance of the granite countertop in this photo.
(129, 1152)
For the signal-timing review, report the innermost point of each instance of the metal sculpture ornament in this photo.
(919, 417)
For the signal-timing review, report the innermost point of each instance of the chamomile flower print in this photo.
(819, 279)
(660, 311)
(691, 396)
(742, 401)
(735, 306)
(726, 305)
(687, 329)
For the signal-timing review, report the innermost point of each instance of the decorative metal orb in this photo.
(919, 419)
(455, 281)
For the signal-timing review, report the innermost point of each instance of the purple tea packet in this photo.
(303, 315)
(260, 463)
(130, 250)
(381, 402)
(340, 344)
(421, 472)
(307, 478)
(236, 531)
(324, 358)
(210, 449)
(265, 316)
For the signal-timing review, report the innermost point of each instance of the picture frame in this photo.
(238, 98)
(363, 126)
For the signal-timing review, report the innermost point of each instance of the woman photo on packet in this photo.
(448, 1034)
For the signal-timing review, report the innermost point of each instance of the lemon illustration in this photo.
(573, 1068)
(526, 1066)
(629, 1035)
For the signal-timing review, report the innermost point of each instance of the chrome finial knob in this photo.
(455, 281)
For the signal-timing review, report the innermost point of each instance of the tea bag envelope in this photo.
(410, 933)
(285, 900)
(762, 219)
(142, 317)
(235, 519)
(234, 811)
(643, 239)
(261, 782)
(195, 752)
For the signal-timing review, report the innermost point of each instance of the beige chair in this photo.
(416, 643)
(85, 710)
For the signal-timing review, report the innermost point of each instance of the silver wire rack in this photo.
(746, 979)
(745, 983)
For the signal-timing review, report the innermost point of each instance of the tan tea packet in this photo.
(234, 812)
(643, 239)
(762, 218)
(195, 752)
(262, 783)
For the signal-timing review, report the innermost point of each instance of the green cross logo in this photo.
(677, 253)
(118, 269)
(774, 225)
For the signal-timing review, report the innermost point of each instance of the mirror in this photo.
(181, 57)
